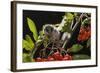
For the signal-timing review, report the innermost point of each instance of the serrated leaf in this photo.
(80, 57)
(75, 48)
(69, 17)
(32, 28)
(66, 28)
(26, 58)
(28, 38)
(68, 20)
(26, 45)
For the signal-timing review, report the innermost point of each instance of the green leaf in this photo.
(39, 42)
(75, 48)
(32, 28)
(26, 45)
(88, 43)
(80, 57)
(41, 33)
(66, 28)
(70, 17)
(28, 38)
(86, 21)
(26, 58)
(68, 20)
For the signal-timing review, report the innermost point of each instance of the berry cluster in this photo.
(84, 34)
(54, 57)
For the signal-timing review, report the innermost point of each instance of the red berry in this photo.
(60, 57)
(50, 58)
(57, 56)
(70, 57)
(79, 37)
(89, 33)
(44, 59)
(84, 34)
(88, 28)
(81, 31)
(83, 37)
(56, 53)
(67, 57)
(38, 59)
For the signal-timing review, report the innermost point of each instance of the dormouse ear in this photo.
(48, 28)
(46, 25)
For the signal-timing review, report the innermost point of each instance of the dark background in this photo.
(40, 18)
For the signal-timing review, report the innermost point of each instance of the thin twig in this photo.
(76, 24)
(74, 28)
